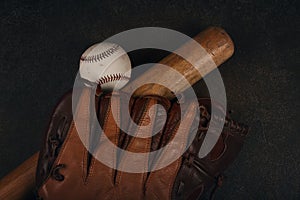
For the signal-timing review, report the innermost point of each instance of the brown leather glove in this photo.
(67, 170)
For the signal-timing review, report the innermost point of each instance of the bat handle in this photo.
(217, 47)
(20, 183)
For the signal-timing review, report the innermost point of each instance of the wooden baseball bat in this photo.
(217, 47)
(20, 183)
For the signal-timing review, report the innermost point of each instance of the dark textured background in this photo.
(41, 42)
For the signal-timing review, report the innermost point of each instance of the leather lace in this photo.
(56, 174)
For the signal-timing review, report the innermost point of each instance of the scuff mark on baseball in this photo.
(106, 64)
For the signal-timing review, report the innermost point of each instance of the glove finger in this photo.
(67, 172)
(157, 186)
(150, 119)
(102, 167)
(58, 129)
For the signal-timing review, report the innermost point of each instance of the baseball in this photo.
(106, 64)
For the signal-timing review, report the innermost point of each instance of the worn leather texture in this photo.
(54, 137)
(67, 170)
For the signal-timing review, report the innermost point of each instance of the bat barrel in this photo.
(217, 43)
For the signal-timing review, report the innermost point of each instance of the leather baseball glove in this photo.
(67, 169)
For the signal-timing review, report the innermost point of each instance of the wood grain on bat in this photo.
(218, 48)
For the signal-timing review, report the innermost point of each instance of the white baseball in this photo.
(106, 64)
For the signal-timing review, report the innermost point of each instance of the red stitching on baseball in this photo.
(100, 56)
(112, 77)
